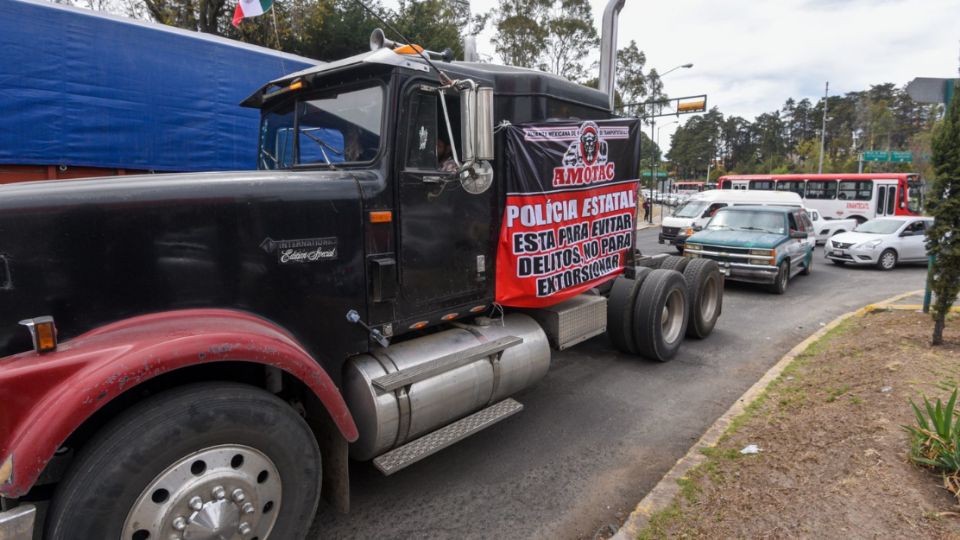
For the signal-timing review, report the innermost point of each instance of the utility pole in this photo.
(823, 127)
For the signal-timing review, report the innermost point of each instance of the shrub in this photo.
(935, 440)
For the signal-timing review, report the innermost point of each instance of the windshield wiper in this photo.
(756, 229)
(264, 152)
(719, 226)
(322, 146)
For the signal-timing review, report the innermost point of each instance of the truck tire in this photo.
(704, 296)
(673, 262)
(222, 455)
(620, 310)
(807, 267)
(660, 315)
(779, 286)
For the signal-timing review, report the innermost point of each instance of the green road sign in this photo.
(901, 157)
(876, 155)
(660, 174)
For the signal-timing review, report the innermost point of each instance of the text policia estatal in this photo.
(550, 212)
(584, 242)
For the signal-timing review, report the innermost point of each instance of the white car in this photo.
(882, 242)
(825, 228)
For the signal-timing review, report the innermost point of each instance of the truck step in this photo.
(432, 443)
(421, 372)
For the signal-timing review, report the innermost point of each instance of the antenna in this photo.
(419, 50)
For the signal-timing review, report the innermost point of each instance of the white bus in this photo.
(838, 196)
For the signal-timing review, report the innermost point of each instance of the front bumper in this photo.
(17, 524)
(751, 273)
(740, 271)
(851, 255)
(676, 240)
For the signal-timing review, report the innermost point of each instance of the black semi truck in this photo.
(200, 355)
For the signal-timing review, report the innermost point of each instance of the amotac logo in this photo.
(585, 161)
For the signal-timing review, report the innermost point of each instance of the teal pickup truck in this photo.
(758, 244)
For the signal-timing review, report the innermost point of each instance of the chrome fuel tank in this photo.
(386, 419)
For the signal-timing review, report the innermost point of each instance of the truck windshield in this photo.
(690, 209)
(341, 126)
(771, 222)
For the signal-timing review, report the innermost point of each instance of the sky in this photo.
(749, 56)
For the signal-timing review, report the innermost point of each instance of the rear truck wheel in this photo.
(660, 315)
(672, 262)
(887, 260)
(807, 265)
(838, 263)
(216, 460)
(704, 296)
(620, 310)
(779, 286)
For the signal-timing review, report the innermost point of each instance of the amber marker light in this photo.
(385, 216)
(409, 49)
(43, 331)
(296, 85)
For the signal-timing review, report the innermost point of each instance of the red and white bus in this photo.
(840, 196)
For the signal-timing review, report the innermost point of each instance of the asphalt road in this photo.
(602, 428)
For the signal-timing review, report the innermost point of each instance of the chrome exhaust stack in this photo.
(608, 48)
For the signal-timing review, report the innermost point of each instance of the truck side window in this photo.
(792, 216)
(422, 132)
(805, 220)
(713, 209)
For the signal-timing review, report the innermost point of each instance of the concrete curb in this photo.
(667, 489)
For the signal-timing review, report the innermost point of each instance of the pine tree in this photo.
(943, 239)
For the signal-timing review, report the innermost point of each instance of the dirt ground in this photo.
(833, 459)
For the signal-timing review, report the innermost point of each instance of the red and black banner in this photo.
(571, 203)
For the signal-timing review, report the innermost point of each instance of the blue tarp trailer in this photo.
(81, 89)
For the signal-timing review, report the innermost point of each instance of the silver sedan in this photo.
(881, 242)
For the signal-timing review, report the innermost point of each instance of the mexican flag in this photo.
(250, 8)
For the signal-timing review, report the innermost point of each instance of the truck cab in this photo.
(189, 343)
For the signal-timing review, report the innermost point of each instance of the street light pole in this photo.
(653, 148)
(823, 126)
(656, 165)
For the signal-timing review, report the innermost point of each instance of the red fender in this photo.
(44, 398)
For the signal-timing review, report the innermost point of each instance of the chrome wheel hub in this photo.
(228, 492)
(671, 318)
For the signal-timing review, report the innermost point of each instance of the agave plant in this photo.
(935, 440)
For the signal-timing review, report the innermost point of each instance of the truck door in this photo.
(446, 234)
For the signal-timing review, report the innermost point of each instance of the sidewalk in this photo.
(641, 224)
(831, 459)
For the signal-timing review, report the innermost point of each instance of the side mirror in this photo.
(799, 235)
(476, 123)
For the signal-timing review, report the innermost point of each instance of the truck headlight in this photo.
(769, 256)
(686, 250)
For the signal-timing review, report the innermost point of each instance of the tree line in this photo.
(787, 140)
